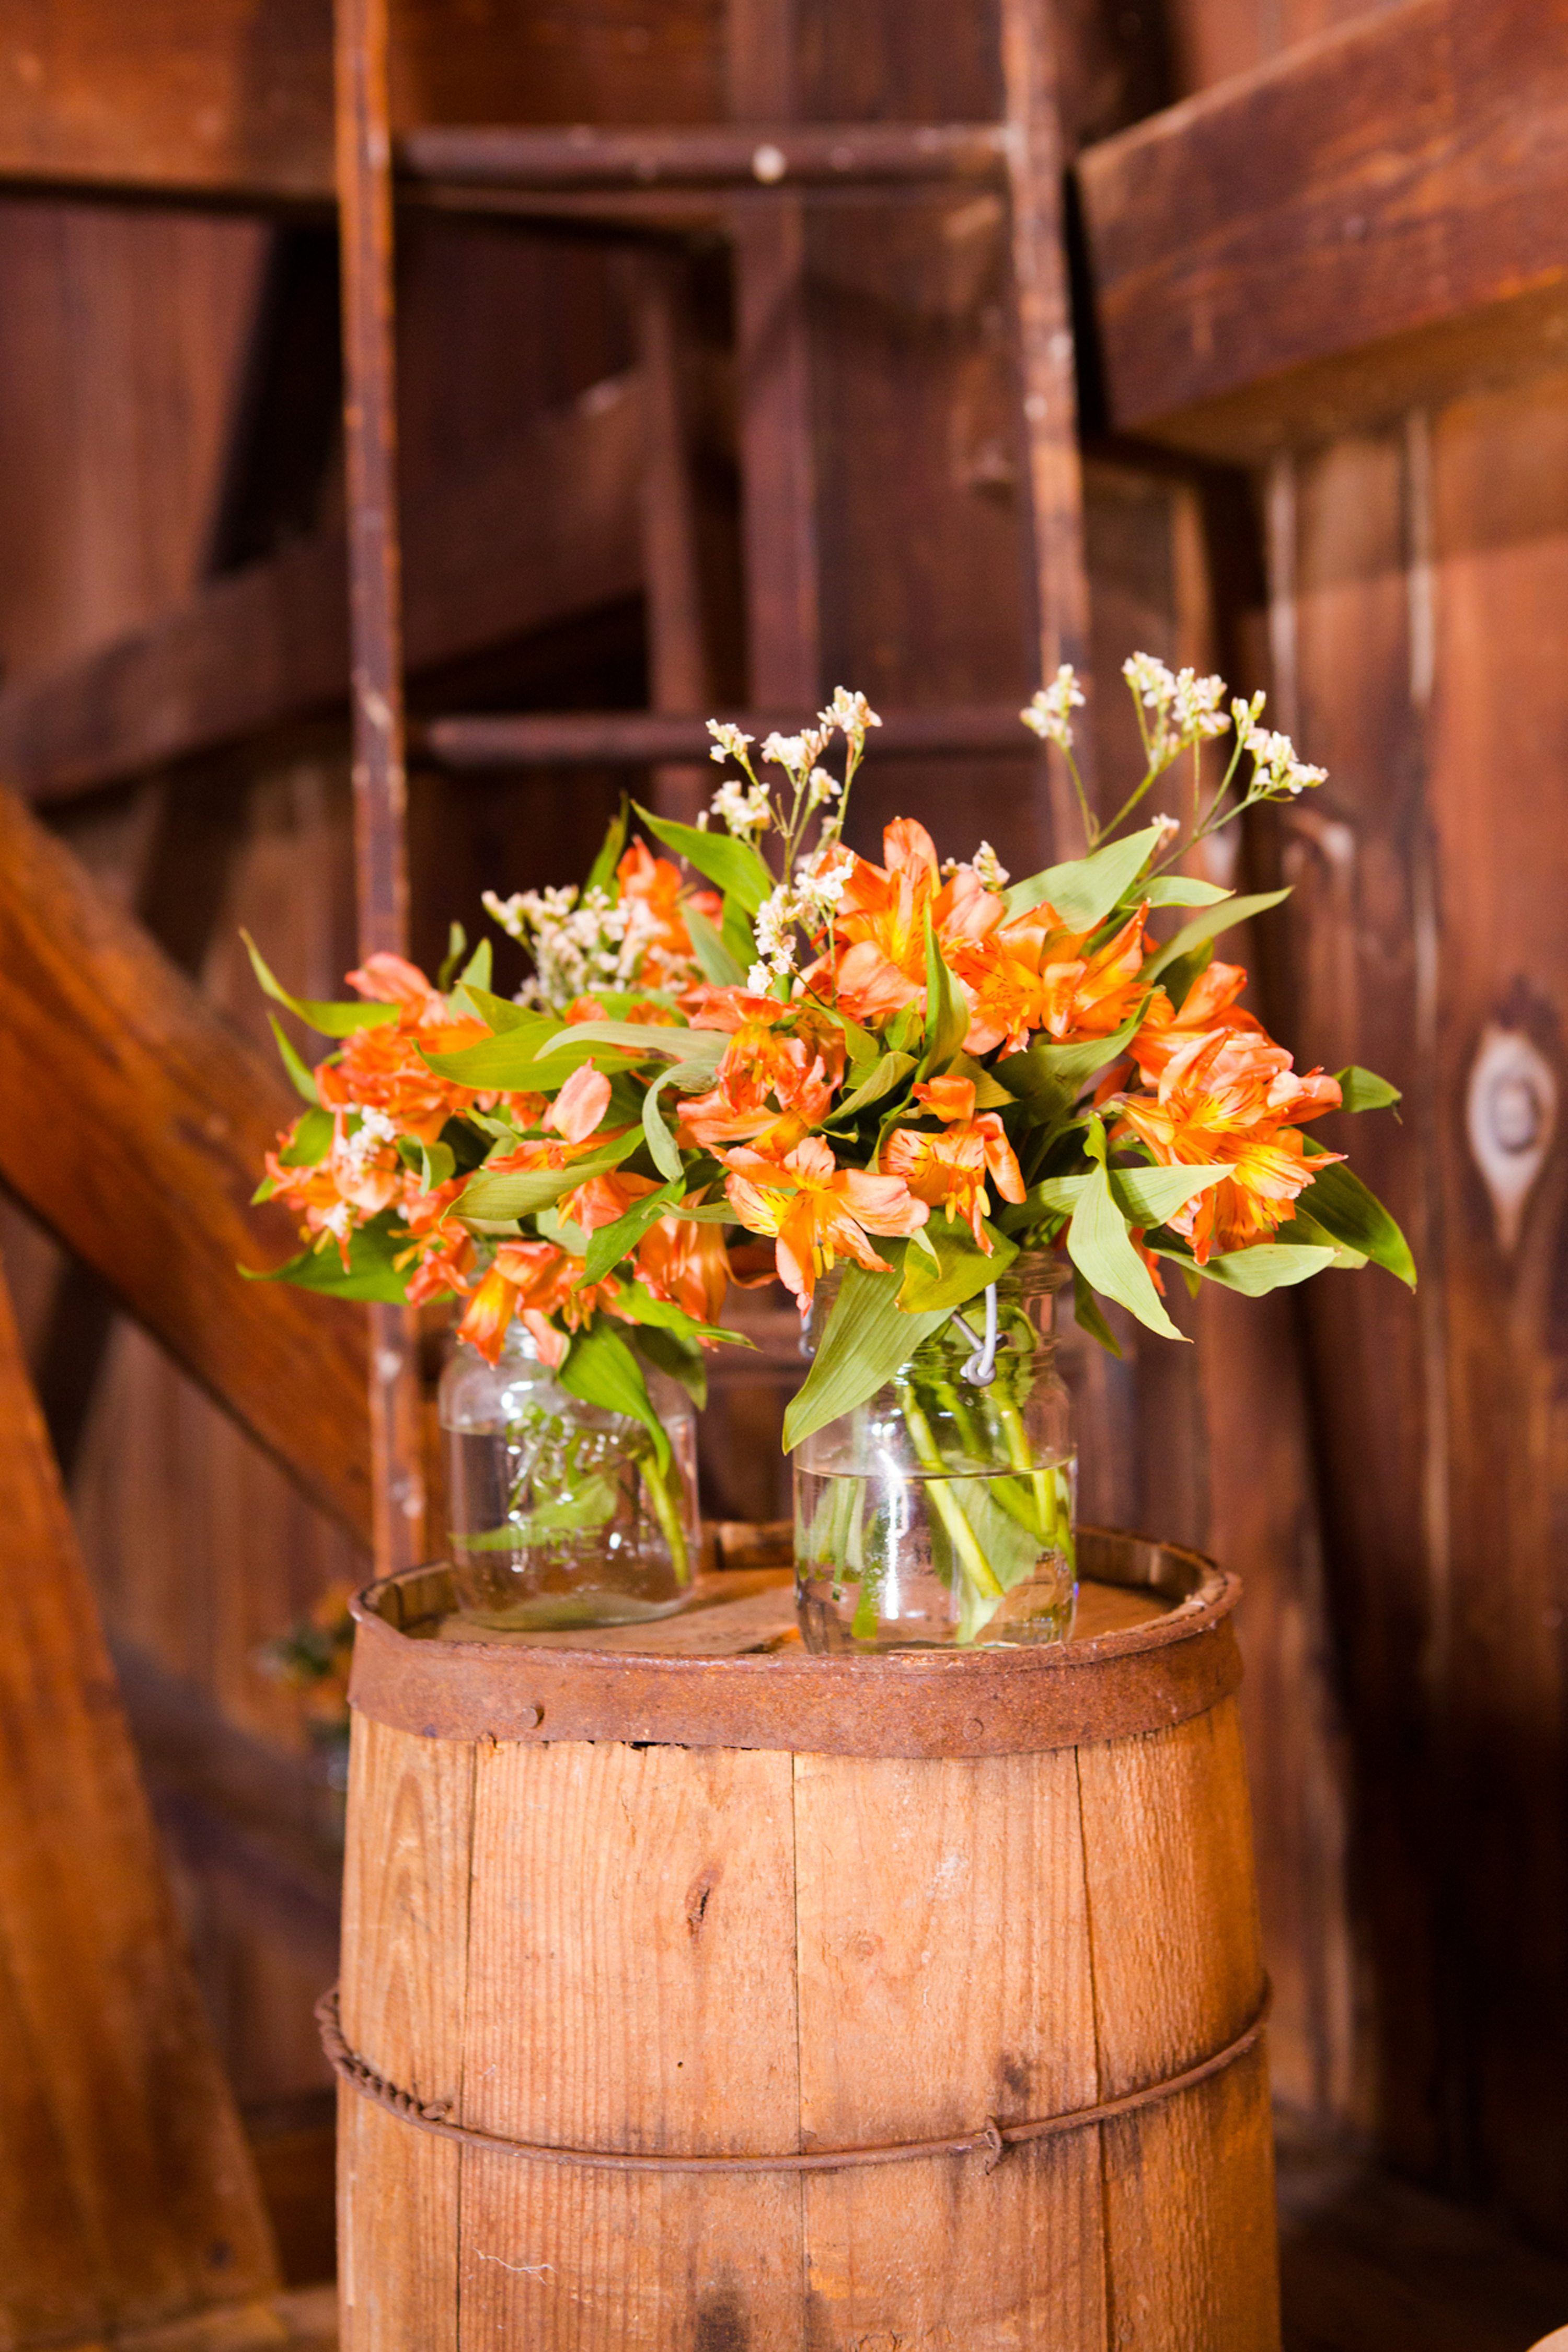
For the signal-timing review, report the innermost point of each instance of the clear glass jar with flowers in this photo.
(925, 1097)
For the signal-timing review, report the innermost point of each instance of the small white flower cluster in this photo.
(374, 1130)
(580, 940)
(1049, 714)
(1187, 709)
(851, 714)
(993, 873)
(1276, 769)
(805, 903)
(744, 810)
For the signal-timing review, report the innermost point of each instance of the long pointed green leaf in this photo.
(1266, 1267)
(961, 1270)
(1338, 1201)
(1184, 890)
(1211, 925)
(327, 1020)
(1099, 1246)
(614, 1242)
(601, 1369)
(1364, 1090)
(947, 1014)
(868, 1339)
(708, 942)
(371, 1274)
(602, 872)
(300, 1076)
(1084, 889)
(497, 1199)
(733, 865)
(1149, 1195)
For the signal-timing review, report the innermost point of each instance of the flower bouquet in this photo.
(926, 1096)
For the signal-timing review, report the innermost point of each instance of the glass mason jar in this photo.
(940, 1512)
(559, 1513)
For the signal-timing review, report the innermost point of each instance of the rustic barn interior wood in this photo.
(1363, 213)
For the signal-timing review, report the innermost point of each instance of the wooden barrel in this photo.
(699, 1995)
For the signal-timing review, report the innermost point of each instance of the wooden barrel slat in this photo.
(711, 1950)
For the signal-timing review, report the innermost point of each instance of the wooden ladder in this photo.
(754, 179)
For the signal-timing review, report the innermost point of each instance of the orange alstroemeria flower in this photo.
(686, 1264)
(949, 1170)
(1031, 975)
(574, 1116)
(1230, 1097)
(445, 1248)
(534, 1280)
(385, 1068)
(877, 963)
(800, 1067)
(818, 1211)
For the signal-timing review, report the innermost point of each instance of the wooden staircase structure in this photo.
(1318, 251)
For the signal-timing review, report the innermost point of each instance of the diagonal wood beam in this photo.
(549, 530)
(129, 2196)
(134, 1123)
(1374, 216)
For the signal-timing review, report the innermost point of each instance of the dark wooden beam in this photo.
(548, 531)
(702, 155)
(135, 1123)
(1375, 217)
(129, 2196)
(592, 738)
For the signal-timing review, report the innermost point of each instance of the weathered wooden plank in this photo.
(231, 100)
(405, 1913)
(136, 1125)
(630, 1961)
(904, 1872)
(546, 530)
(129, 2198)
(1257, 249)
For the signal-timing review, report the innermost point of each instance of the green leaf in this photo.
(1303, 1229)
(1088, 1316)
(327, 1020)
(514, 1062)
(1184, 890)
(1340, 1203)
(961, 1269)
(476, 972)
(1049, 1076)
(868, 1339)
(496, 1199)
(989, 1095)
(612, 1243)
(1211, 926)
(733, 865)
(602, 872)
(1177, 979)
(704, 1047)
(312, 1141)
(1147, 1196)
(637, 1303)
(738, 935)
(947, 1015)
(370, 1275)
(300, 1076)
(1265, 1267)
(886, 1078)
(708, 942)
(456, 940)
(1099, 1247)
(601, 1369)
(1084, 889)
(690, 1078)
(682, 1359)
(1364, 1090)
(502, 1015)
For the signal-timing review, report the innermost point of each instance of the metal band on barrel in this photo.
(992, 2142)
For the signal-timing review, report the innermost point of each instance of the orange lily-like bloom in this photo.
(574, 1115)
(534, 1280)
(445, 1249)
(800, 1067)
(686, 1264)
(1228, 1098)
(1208, 1007)
(949, 1170)
(358, 1176)
(384, 1068)
(877, 963)
(817, 1212)
(1032, 975)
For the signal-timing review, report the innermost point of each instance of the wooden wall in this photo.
(1417, 579)
(1385, 1472)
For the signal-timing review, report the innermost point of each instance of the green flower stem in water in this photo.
(667, 1513)
(965, 1543)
